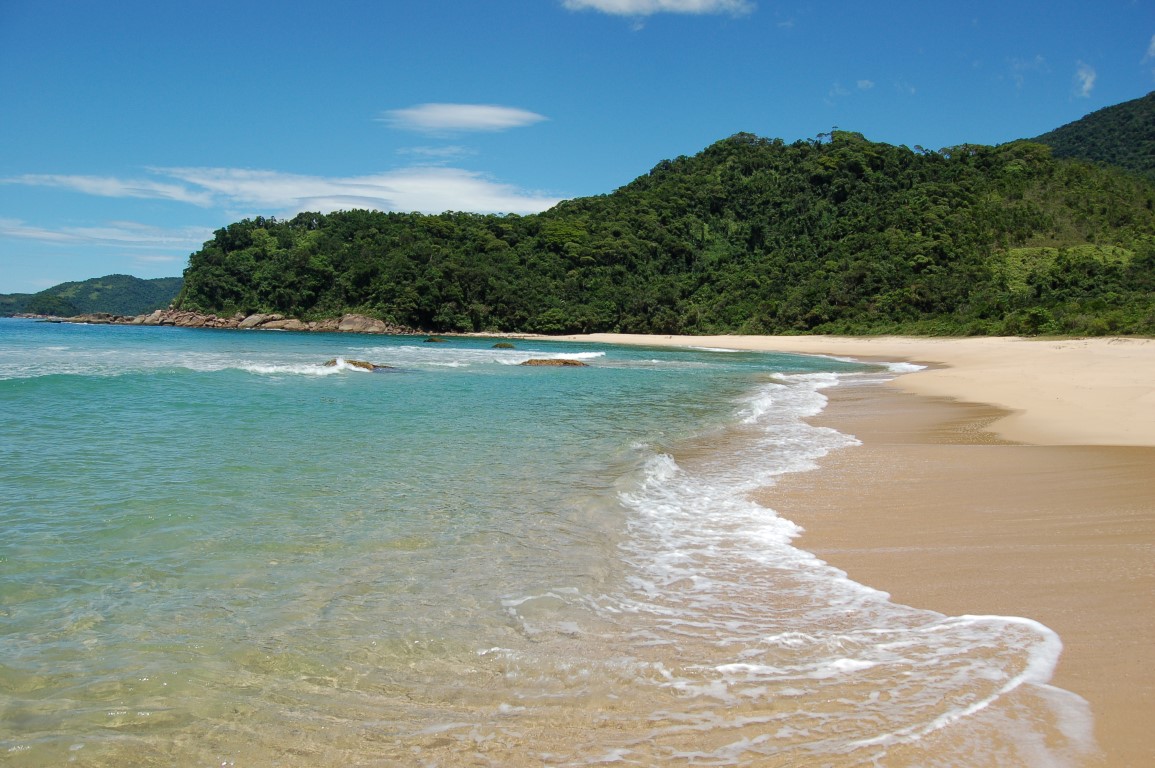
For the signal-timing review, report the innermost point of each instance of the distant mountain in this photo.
(1122, 135)
(117, 294)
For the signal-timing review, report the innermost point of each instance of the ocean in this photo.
(218, 551)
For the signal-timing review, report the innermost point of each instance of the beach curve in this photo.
(1084, 391)
(1010, 477)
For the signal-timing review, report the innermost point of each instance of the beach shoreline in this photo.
(1010, 477)
(1064, 391)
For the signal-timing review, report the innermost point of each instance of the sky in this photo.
(130, 131)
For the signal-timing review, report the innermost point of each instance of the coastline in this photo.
(1069, 391)
(1017, 482)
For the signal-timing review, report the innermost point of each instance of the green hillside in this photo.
(115, 294)
(1122, 135)
(833, 235)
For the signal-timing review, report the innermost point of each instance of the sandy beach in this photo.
(1010, 477)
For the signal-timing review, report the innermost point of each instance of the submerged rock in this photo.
(550, 362)
(503, 345)
(435, 340)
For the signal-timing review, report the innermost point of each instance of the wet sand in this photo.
(935, 511)
(1014, 477)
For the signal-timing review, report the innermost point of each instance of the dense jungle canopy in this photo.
(832, 235)
(1122, 135)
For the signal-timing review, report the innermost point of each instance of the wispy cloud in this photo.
(1020, 68)
(106, 186)
(839, 91)
(435, 154)
(158, 259)
(118, 234)
(651, 7)
(426, 189)
(459, 118)
(1084, 79)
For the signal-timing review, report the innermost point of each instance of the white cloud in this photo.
(104, 186)
(865, 85)
(158, 259)
(651, 7)
(120, 234)
(1150, 50)
(460, 118)
(426, 189)
(1084, 80)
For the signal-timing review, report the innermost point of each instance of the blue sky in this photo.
(131, 130)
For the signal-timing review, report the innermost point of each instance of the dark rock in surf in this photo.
(565, 363)
(357, 364)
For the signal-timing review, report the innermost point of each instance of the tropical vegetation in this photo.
(832, 235)
(114, 294)
(1122, 135)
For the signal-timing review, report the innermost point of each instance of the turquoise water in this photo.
(218, 551)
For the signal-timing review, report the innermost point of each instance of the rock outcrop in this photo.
(348, 323)
(550, 362)
(356, 364)
(361, 324)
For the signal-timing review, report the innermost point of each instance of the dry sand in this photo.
(1043, 506)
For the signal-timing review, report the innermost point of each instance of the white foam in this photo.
(304, 370)
(901, 368)
(712, 563)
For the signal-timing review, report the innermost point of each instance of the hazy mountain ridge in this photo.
(115, 294)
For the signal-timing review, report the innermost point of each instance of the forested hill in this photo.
(832, 235)
(1122, 135)
(115, 294)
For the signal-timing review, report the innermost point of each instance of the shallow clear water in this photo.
(217, 550)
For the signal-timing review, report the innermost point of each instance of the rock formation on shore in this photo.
(348, 323)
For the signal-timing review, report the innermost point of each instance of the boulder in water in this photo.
(556, 363)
